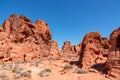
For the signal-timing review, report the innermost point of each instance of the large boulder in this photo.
(22, 40)
(94, 50)
(113, 61)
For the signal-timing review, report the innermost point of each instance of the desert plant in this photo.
(10, 66)
(80, 71)
(29, 71)
(16, 77)
(45, 73)
(6, 67)
(26, 74)
(67, 66)
(16, 70)
(4, 77)
(2, 67)
(40, 62)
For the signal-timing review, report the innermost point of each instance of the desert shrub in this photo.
(4, 76)
(45, 73)
(29, 71)
(16, 77)
(16, 70)
(26, 74)
(67, 66)
(2, 67)
(6, 67)
(10, 66)
(80, 71)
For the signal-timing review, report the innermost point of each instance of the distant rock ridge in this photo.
(71, 49)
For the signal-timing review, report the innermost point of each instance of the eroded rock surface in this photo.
(113, 61)
(54, 51)
(94, 50)
(71, 49)
(22, 40)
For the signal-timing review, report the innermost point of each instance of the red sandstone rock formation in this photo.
(54, 51)
(113, 61)
(69, 49)
(22, 40)
(94, 50)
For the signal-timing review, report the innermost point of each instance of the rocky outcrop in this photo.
(71, 49)
(113, 61)
(94, 50)
(54, 51)
(22, 40)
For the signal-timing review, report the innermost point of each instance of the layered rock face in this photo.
(113, 61)
(94, 50)
(69, 49)
(54, 51)
(22, 40)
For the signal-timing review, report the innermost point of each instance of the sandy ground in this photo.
(49, 69)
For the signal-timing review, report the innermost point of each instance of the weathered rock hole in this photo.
(10, 48)
(2, 43)
(10, 59)
(118, 41)
(36, 49)
(105, 55)
(24, 57)
(1, 57)
(21, 40)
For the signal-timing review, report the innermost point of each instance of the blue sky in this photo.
(67, 19)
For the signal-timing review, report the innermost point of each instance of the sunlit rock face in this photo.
(113, 61)
(67, 48)
(54, 50)
(22, 40)
(94, 50)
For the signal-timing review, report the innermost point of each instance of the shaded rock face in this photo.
(113, 61)
(94, 50)
(70, 49)
(22, 40)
